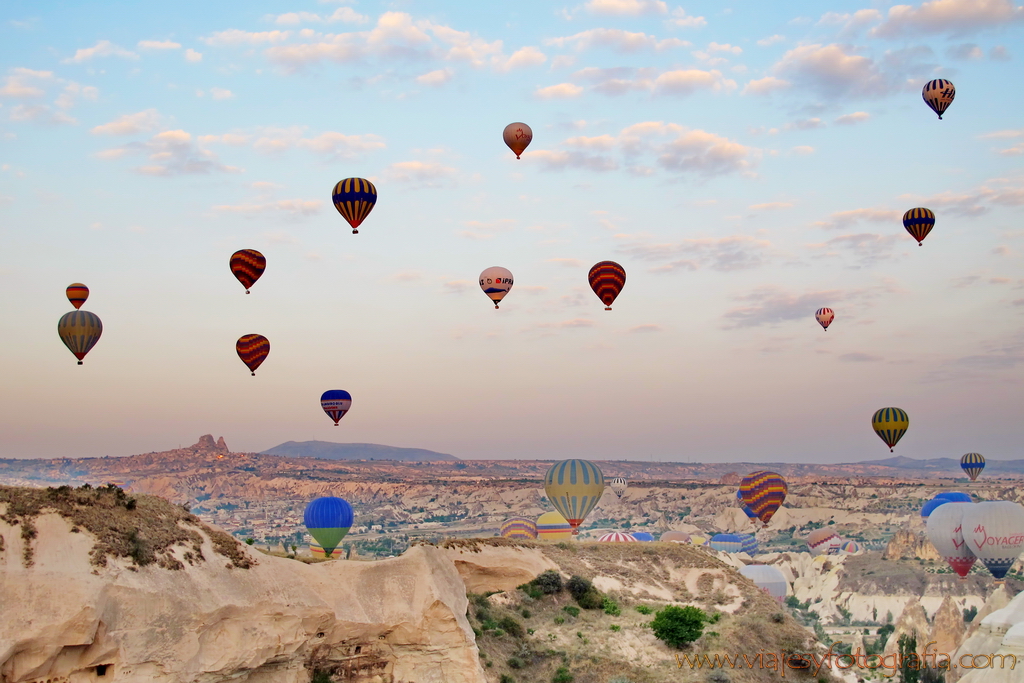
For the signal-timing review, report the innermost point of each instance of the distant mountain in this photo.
(327, 450)
(946, 465)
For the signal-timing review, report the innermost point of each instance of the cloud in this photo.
(999, 54)
(560, 91)
(953, 17)
(770, 305)
(805, 124)
(688, 81)
(765, 86)
(24, 83)
(456, 286)
(40, 113)
(858, 357)
(737, 252)
(562, 159)
(868, 248)
(851, 23)
(421, 173)
(770, 206)
(833, 71)
(221, 94)
(435, 78)
(235, 37)
(683, 20)
(852, 119)
(130, 124)
(171, 153)
(290, 207)
(633, 8)
(705, 153)
(567, 262)
(616, 39)
(966, 52)
(771, 40)
(647, 328)
(103, 48)
(842, 220)
(158, 45)
(803, 150)
(193, 56)
(527, 56)
(331, 144)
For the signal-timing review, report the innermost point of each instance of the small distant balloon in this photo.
(77, 294)
(354, 198)
(518, 137)
(247, 265)
(825, 316)
(890, 424)
(496, 283)
(938, 94)
(618, 486)
(336, 402)
(919, 222)
(253, 349)
(79, 330)
(972, 464)
(607, 279)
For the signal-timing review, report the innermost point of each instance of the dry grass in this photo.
(144, 529)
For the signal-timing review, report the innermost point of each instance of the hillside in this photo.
(327, 450)
(946, 465)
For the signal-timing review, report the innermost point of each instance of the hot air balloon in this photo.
(328, 519)
(518, 137)
(642, 536)
(768, 578)
(851, 548)
(551, 526)
(746, 510)
(890, 424)
(919, 222)
(354, 199)
(824, 541)
(253, 349)
(496, 281)
(749, 545)
(945, 531)
(336, 402)
(824, 316)
(607, 279)
(928, 508)
(954, 497)
(247, 265)
(994, 531)
(675, 537)
(518, 527)
(77, 294)
(729, 543)
(79, 330)
(938, 94)
(972, 464)
(318, 552)
(763, 492)
(574, 487)
(698, 540)
(617, 537)
(618, 486)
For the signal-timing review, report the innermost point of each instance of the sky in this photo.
(746, 164)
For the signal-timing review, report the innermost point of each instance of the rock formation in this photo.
(906, 544)
(912, 622)
(1001, 633)
(221, 446)
(947, 628)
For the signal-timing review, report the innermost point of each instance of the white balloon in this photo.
(767, 578)
(496, 281)
(945, 531)
(517, 136)
(618, 486)
(994, 531)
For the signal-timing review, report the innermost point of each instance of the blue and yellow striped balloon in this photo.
(574, 487)
(328, 519)
(354, 198)
(972, 464)
(890, 424)
(551, 526)
(79, 330)
(763, 492)
(919, 222)
(729, 543)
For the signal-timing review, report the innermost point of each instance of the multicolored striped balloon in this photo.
(749, 544)
(890, 424)
(336, 402)
(574, 487)
(318, 552)
(247, 265)
(617, 537)
(751, 515)
(518, 527)
(972, 464)
(79, 330)
(825, 316)
(728, 543)
(77, 294)
(328, 519)
(824, 542)
(851, 548)
(551, 526)
(919, 222)
(764, 492)
(253, 349)
(354, 198)
(607, 279)
(938, 94)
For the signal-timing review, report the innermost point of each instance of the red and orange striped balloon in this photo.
(253, 349)
(77, 294)
(247, 265)
(763, 492)
(607, 279)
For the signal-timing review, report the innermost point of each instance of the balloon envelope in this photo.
(496, 282)
(253, 349)
(994, 531)
(618, 537)
(824, 542)
(79, 330)
(919, 222)
(607, 279)
(825, 316)
(618, 486)
(247, 265)
(768, 578)
(890, 424)
(954, 497)
(551, 526)
(642, 536)
(77, 293)
(328, 519)
(851, 548)
(730, 543)
(574, 487)
(972, 464)
(518, 137)
(749, 545)
(938, 94)
(675, 537)
(317, 551)
(945, 531)
(763, 492)
(354, 198)
(518, 527)
(746, 509)
(336, 402)
(928, 508)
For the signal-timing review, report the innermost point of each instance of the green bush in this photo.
(505, 678)
(571, 610)
(562, 675)
(320, 676)
(578, 587)
(512, 627)
(678, 626)
(515, 663)
(549, 581)
(559, 620)
(610, 607)
(615, 627)
(643, 609)
(592, 599)
(526, 613)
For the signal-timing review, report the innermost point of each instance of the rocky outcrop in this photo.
(488, 569)
(999, 640)
(947, 628)
(65, 619)
(906, 544)
(221, 445)
(912, 622)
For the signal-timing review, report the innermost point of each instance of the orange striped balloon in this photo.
(607, 279)
(77, 294)
(247, 265)
(253, 349)
(763, 492)
(919, 222)
(354, 198)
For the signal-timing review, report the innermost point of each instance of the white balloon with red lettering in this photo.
(945, 531)
(994, 531)
(518, 137)
(496, 282)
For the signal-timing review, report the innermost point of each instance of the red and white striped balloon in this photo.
(825, 316)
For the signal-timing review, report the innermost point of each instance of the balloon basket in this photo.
(607, 308)
(354, 231)
(81, 363)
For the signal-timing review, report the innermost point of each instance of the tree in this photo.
(910, 662)
(678, 626)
